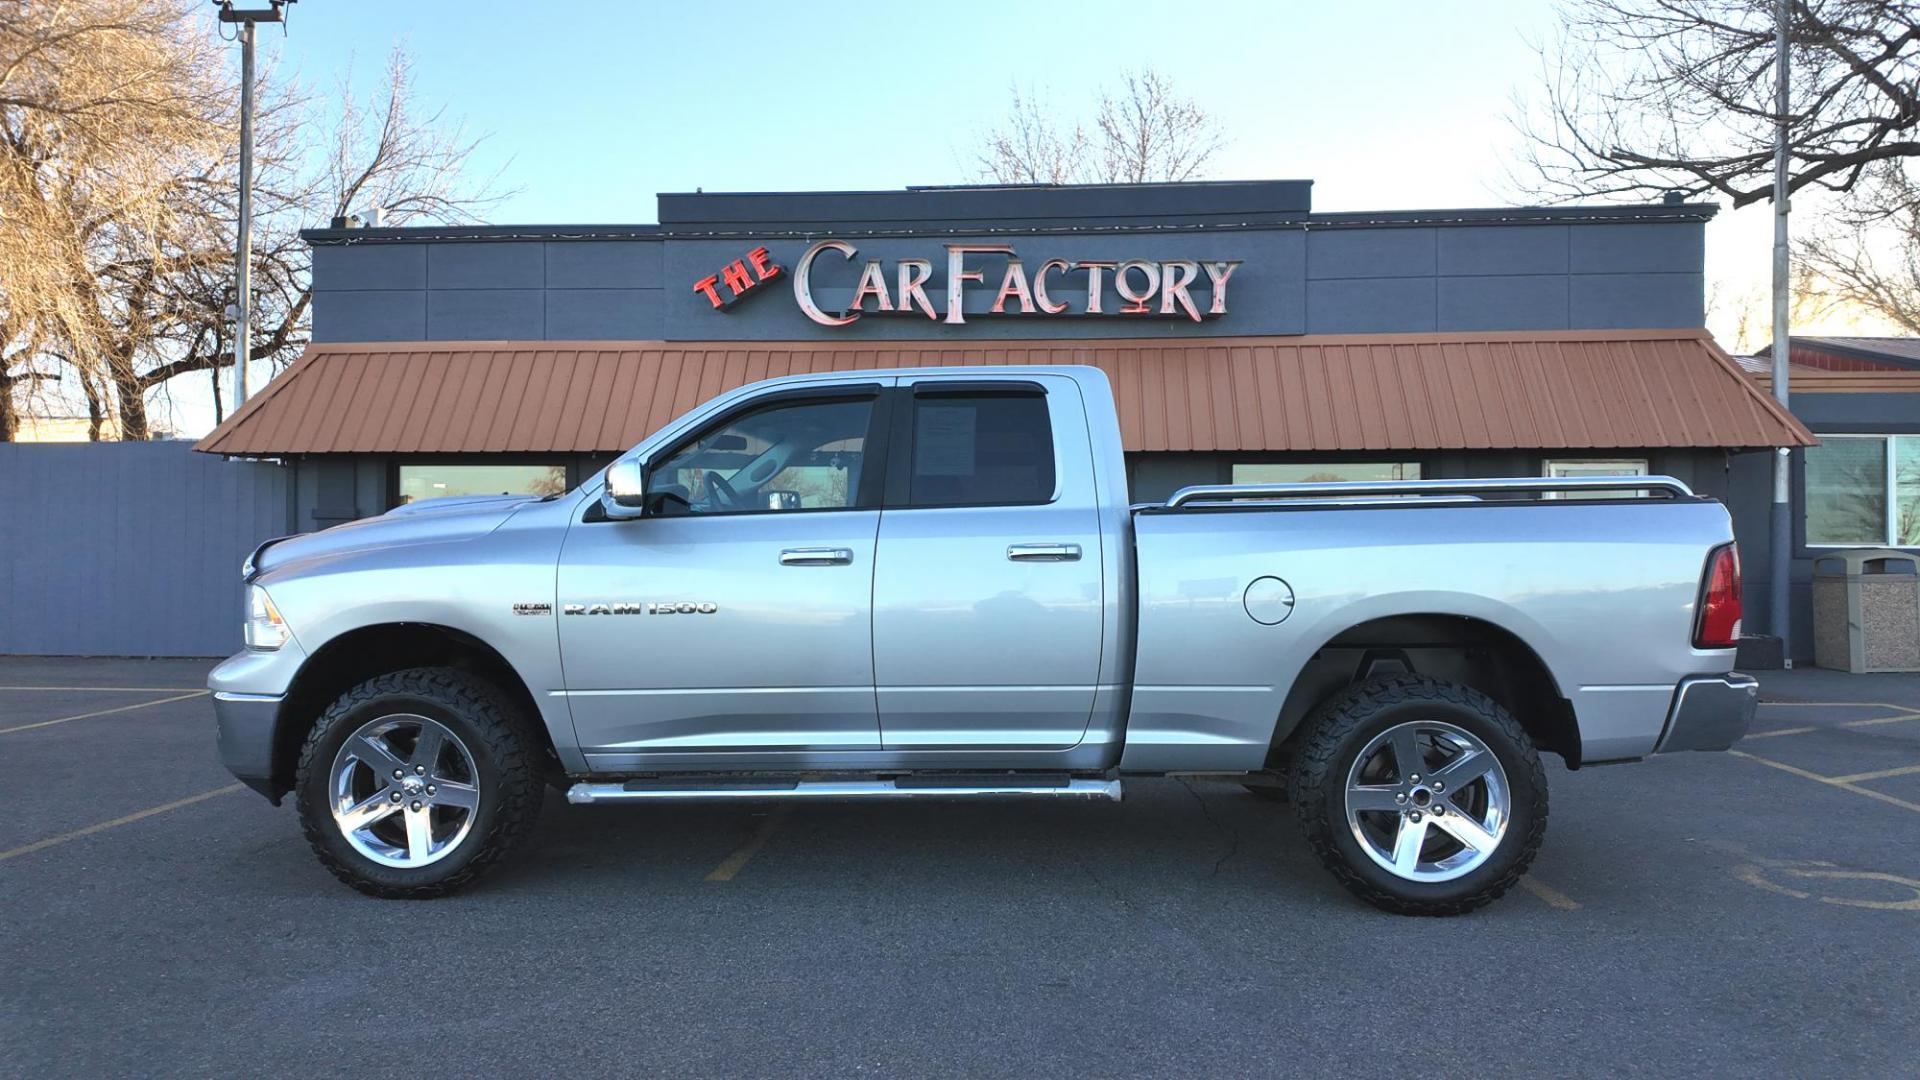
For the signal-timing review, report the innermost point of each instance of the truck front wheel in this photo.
(1423, 797)
(414, 782)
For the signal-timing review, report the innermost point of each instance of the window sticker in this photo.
(944, 440)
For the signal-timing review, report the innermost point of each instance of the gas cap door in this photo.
(1269, 601)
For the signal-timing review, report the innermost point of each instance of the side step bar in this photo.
(905, 788)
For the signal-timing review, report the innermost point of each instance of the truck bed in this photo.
(1603, 591)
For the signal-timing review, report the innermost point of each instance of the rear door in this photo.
(988, 598)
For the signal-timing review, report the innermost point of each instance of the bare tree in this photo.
(1148, 132)
(1869, 254)
(118, 155)
(1642, 97)
(1030, 149)
(1144, 132)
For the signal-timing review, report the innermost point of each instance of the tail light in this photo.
(1718, 624)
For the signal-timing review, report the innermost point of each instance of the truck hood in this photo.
(432, 521)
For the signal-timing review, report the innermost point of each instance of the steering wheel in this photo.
(722, 492)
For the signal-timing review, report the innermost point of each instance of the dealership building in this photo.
(1247, 337)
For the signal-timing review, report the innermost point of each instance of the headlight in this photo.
(265, 628)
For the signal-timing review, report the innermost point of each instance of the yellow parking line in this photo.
(732, 864)
(1781, 731)
(1831, 781)
(1834, 705)
(1881, 720)
(102, 712)
(1554, 897)
(109, 689)
(41, 845)
(1882, 774)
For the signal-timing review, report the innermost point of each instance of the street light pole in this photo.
(1781, 551)
(243, 242)
(243, 245)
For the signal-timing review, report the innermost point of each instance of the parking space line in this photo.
(109, 689)
(102, 712)
(1781, 731)
(1553, 897)
(1831, 781)
(733, 863)
(1834, 705)
(41, 845)
(1882, 774)
(1881, 720)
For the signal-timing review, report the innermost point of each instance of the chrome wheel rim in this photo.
(404, 790)
(1428, 801)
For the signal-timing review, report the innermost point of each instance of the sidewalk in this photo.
(1809, 683)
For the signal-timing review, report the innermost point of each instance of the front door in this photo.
(988, 603)
(736, 618)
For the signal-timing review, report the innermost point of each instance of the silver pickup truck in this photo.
(929, 584)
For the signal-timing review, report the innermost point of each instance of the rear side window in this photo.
(981, 450)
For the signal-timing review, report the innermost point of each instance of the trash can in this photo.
(1866, 610)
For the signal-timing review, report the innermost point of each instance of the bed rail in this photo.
(1216, 494)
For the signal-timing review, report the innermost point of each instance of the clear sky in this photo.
(590, 107)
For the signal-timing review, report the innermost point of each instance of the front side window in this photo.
(800, 456)
(435, 481)
(1863, 490)
(981, 450)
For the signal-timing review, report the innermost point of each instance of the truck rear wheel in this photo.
(1423, 797)
(412, 783)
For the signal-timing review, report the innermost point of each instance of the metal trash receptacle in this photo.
(1866, 610)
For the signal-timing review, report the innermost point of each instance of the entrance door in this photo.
(738, 618)
(988, 594)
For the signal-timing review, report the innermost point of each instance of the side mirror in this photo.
(626, 491)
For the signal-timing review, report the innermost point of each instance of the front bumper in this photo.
(1710, 712)
(246, 723)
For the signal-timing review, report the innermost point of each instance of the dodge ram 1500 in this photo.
(930, 584)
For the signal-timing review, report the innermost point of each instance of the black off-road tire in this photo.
(1340, 728)
(506, 757)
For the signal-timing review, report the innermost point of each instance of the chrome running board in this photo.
(829, 790)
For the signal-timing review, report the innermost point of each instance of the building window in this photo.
(1569, 468)
(435, 481)
(1323, 472)
(1863, 491)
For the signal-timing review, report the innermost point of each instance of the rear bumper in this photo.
(1710, 712)
(246, 724)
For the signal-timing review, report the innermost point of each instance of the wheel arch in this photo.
(1476, 650)
(356, 655)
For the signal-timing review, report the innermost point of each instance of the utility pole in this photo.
(246, 19)
(1780, 551)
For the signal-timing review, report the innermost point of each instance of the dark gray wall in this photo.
(129, 549)
(1153, 477)
(1524, 269)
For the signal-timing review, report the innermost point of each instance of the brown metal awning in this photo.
(1584, 390)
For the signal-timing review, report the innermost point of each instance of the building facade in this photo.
(1248, 337)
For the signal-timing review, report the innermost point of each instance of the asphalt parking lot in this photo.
(1726, 913)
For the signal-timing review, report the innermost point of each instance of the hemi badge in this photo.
(533, 609)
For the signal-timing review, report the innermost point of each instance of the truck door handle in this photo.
(827, 556)
(1044, 552)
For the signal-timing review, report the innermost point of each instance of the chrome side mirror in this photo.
(625, 495)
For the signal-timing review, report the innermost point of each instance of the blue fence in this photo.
(129, 549)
